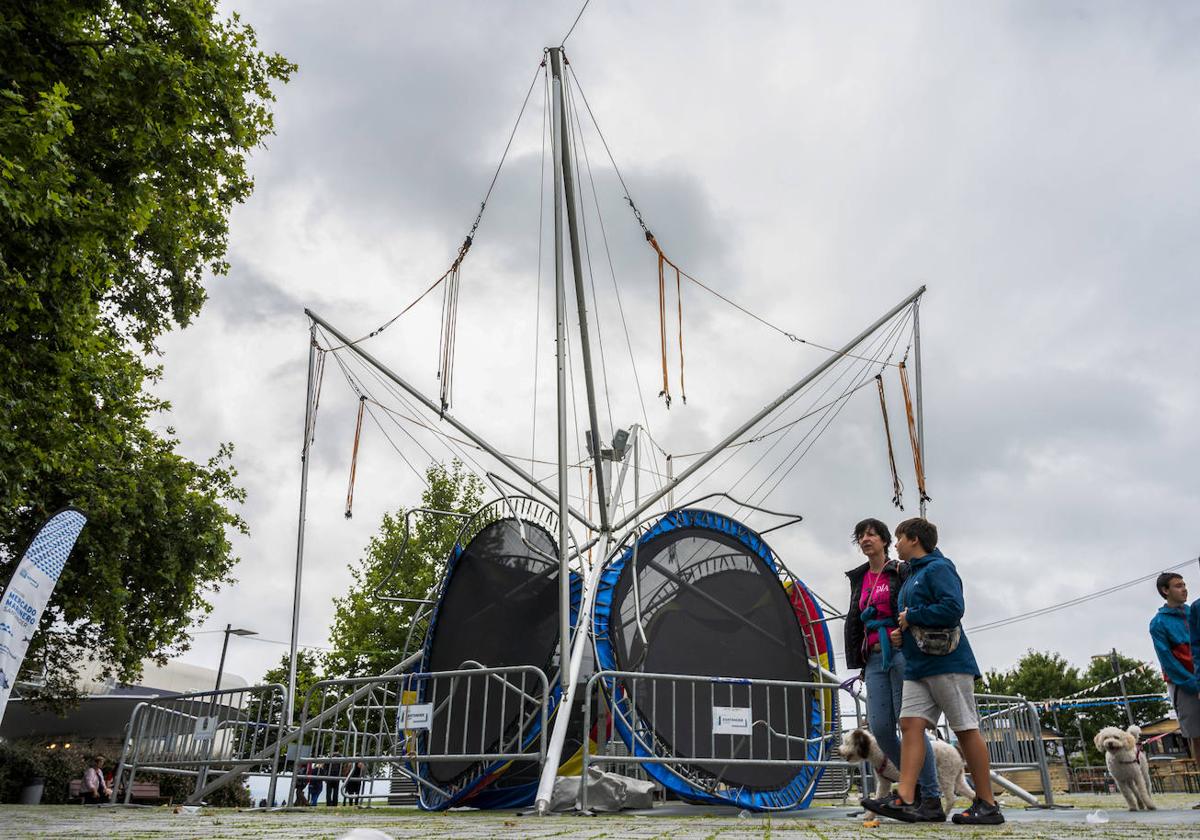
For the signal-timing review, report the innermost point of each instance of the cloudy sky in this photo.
(1034, 164)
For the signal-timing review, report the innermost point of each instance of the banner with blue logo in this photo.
(29, 591)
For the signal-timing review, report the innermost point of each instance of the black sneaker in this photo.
(980, 813)
(894, 807)
(930, 810)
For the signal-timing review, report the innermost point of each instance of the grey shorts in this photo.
(950, 694)
(1187, 708)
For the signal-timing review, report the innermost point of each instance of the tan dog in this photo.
(1127, 765)
(860, 745)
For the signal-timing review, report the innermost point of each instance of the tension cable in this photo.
(897, 487)
(362, 402)
(918, 464)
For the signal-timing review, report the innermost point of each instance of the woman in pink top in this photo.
(874, 588)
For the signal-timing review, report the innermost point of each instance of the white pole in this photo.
(308, 421)
(560, 355)
(562, 719)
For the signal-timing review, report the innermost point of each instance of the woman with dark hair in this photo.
(874, 590)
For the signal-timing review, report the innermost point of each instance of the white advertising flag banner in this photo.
(29, 591)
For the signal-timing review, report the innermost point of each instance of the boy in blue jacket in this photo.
(1174, 632)
(939, 676)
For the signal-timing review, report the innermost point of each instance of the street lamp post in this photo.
(229, 631)
(1115, 662)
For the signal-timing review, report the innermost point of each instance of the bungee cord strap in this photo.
(362, 402)
(664, 260)
(918, 465)
(897, 487)
(449, 331)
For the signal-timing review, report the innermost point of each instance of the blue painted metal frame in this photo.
(478, 782)
(796, 794)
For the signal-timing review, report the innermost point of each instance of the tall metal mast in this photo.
(560, 354)
(304, 451)
(585, 344)
(569, 668)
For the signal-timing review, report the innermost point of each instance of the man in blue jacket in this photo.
(1176, 635)
(939, 676)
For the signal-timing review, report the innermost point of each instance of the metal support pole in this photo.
(653, 498)
(917, 384)
(560, 355)
(585, 349)
(309, 411)
(670, 483)
(349, 344)
(224, 647)
(562, 721)
(1116, 664)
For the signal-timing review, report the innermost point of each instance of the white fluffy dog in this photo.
(860, 745)
(1127, 765)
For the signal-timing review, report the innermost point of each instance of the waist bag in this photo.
(936, 641)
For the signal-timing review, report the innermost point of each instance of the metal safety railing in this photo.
(699, 727)
(204, 732)
(1012, 729)
(415, 720)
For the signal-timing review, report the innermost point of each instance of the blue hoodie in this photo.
(933, 596)
(1173, 644)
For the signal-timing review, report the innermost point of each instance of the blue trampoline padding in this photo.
(799, 792)
(481, 780)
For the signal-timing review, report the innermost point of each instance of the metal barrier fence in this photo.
(204, 732)
(691, 739)
(1012, 729)
(415, 720)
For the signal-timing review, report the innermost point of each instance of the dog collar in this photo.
(1137, 757)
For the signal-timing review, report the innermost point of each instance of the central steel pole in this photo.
(224, 648)
(585, 345)
(308, 424)
(560, 355)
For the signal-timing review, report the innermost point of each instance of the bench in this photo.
(143, 792)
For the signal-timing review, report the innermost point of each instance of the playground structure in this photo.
(676, 623)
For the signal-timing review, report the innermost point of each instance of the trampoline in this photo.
(497, 606)
(713, 601)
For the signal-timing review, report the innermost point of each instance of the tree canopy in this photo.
(125, 129)
(1049, 676)
(369, 635)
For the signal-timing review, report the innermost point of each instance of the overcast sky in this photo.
(1033, 163)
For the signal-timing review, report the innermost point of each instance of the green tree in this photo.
(1048, 676)
(369, 635)
(125, 128)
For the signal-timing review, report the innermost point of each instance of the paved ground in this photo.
(1174, 819)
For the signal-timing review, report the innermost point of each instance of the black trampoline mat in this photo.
(711, 607)
(499, 608)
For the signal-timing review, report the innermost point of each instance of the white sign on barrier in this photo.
(419, 716)
(731, 720)
(206, 727)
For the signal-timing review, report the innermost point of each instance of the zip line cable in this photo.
(1073, 602)
(537, 297)
(862, 377)
(879, 338)
(577, 142)
(467, 242)
(620, 305)
(638, 216)
(582, 9)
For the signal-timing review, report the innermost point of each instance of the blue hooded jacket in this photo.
(1173, 645)
(933, 596)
